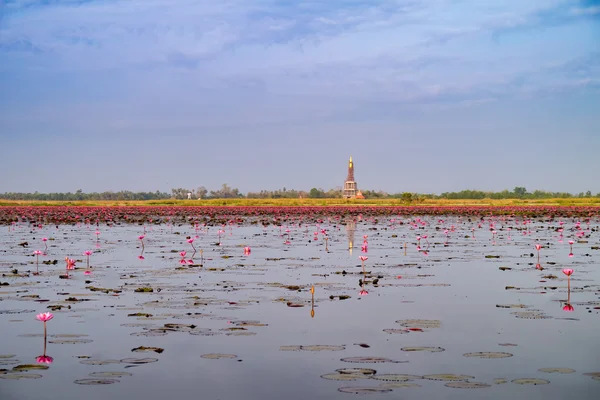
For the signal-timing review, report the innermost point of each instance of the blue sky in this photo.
(427, 96)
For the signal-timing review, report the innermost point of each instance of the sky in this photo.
(427, 96)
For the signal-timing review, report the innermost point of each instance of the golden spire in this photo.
(350, 162)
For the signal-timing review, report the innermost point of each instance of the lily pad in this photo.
(290, 348)
(393, 331)
(420, 323)
(218, 356)
(530, 381)
(336, 376)
(467, 385)
(360, 371)
(398, 385)
(143, 348)
(424, 348)
(364, 390)
(488, 354)
(557, 370)
(70, 341)
(396, 377)
(110, 374)
(96, 381)
(448, 377)
(99, 362)
(138, 360)
(370, 360)
(16, 376)
(30, 367)
(322, 347)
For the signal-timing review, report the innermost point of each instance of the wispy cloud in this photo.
(278, 55)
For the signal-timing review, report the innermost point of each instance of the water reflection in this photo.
(350, 231)
(44, 359)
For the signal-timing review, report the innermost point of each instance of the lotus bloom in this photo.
(44, 359)
(247, 250)
(87, 273)
(363, 259)
(70, 263)
(141, 237)
(363, 293)
(45, 244)
(183, 253)
(44, 317)
(568, 308)
(567, 271)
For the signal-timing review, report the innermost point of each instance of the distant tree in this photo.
(315, 193)
(520, 192)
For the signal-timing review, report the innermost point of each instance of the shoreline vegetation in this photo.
(312, 202)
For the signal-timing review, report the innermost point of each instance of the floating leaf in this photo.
(363, 371)
(70, 341)
(557, 370)
(424, 348)
(109, 374)
(530, 381)
(96, 381)
(99, 362)
(344, 377)
(322, 347)
(218, 356)
(19, 376)
(448, 377)
(371, 360)
(467, 385)
(500, 381)
(392, 331)
(488, 354)
(364, 390)
(138, 360)
(29, 367)
(396, 377)
(398, 385)
(143, 348)
(420, 323)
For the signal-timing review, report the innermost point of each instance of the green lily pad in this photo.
(218, 356)
(30, 367)
(354, 371)
(557, 370)
(424, 348)
(448, 377)
(420, 323)
(138, 360)
(336, 376)
(467, 385)
(19, 376)
(96, 381)
(488, 354)
(110, 374)
(530, 381)
(364, 390)
(370, 360)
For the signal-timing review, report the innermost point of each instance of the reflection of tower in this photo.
(350, 184)
(350, 229)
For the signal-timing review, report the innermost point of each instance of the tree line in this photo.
(227, 192)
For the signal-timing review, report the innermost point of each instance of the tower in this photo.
(350, 190)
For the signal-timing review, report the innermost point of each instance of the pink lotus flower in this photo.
(183, 253)
(141, 237)
(571, 242)
(87, 253)
(363, 258)
(70, 263)
(247, 251)
(87, 273)
(538, 247)
(141, 257)
(567, 271)
(190, 241)
(44, 317)
(568, 308)
(44, 239)
(37, 253)
(363, 293)
(44, 359)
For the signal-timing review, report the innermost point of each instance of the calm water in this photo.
(239, 305)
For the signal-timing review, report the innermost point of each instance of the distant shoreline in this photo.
(309, 202)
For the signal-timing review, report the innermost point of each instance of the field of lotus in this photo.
(296, 302)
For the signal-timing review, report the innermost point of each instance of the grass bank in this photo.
(581, 202)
